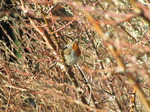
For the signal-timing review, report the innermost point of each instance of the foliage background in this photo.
(112, 73)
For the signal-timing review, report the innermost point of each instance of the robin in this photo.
(72, 52)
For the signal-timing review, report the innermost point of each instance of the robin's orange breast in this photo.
(77, 50)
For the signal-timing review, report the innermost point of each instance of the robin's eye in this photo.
(75, 44)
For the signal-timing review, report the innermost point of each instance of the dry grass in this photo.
(112, 74)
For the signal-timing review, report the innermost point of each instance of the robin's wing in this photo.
(67, 52)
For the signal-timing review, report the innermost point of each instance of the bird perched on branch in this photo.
(72, 52)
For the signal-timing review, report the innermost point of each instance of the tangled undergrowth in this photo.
(112, 74)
